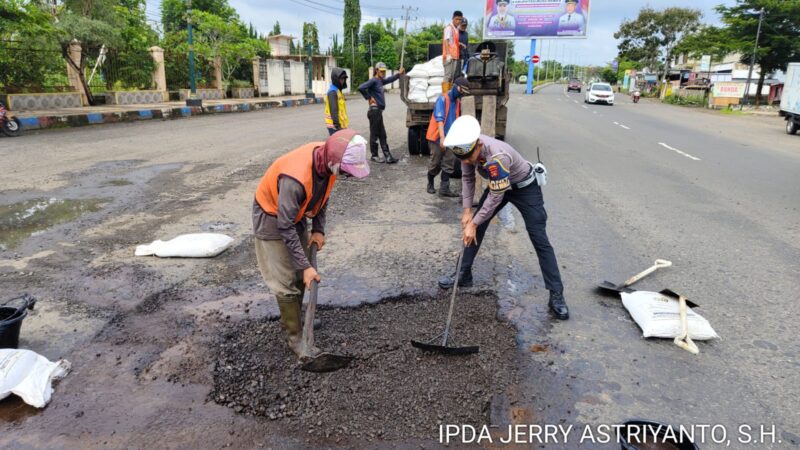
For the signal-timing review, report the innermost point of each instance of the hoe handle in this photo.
(659, 263)
(452, 299)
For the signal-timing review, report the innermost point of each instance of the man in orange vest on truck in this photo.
(445, 112)
(450, 51)
(295, 188)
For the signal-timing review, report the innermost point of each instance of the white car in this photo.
(599, 92)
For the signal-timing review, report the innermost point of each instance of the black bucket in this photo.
(11, 320)
(646, 435)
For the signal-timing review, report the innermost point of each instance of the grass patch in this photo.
(731, 112)
(691, 100)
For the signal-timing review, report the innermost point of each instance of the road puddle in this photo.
(21, 220)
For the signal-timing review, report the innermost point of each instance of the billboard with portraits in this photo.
(532, 19)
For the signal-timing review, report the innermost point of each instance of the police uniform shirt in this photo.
(502, 166)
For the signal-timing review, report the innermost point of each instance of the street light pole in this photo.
(753, 57)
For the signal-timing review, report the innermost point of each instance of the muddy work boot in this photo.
(558, 305)
(431, 189)
(444, 188)
(464, 279)
(377, 159)
(290, 320)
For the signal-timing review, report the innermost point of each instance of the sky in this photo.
(599, 48)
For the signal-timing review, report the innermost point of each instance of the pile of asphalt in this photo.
(390, 390)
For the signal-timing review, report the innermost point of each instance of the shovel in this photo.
(609, 286)
(683, 340)
(324, 361)
(444, 349)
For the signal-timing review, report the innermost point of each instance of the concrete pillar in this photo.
(257, 74)
(73, 75)
(159, 73)
(217, 63)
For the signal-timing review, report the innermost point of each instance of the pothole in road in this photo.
(21, 220)
(390, 390)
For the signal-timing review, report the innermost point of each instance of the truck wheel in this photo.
(413, 141)
(791, 126)
(423, 143)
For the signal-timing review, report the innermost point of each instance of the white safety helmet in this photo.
(462, 136)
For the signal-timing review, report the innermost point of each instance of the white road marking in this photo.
(594, 112)
(679, 152)
(623, 126)
(584, 107)
(616, 123)
(576, 102)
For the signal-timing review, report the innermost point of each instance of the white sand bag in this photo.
(659, 316)
(29, 375)
(433, 92)
(419, 71)
(435, 81)
(197, 245)
(435, 67)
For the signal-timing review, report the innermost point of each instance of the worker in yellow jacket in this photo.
(335, 107)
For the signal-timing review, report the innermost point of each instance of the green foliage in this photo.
(651, 37)
(709, 40)
(173, 12)
(310, 38)
(276, 29)
(690, 100)
(609, 75)
(30, 56)
(352, 25)
(779, 42)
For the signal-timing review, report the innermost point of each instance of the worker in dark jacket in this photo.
(335, 108)
(372, 90)
(463, 44)
(295, 188)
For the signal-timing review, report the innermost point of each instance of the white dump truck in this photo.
(790, 99)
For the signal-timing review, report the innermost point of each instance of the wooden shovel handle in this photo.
(659, 263)
(311, 307)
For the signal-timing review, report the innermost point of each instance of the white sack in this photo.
(418, 83)
(417, 97)
(433, 92)
(419, 71)
(29, 375)
(659, 316)
(436, 67)
(435, 80)
(197, 245)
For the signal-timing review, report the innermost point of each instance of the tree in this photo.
(276, 29)
(173, 12)
(311, 37)
(32, 66)
(708, 40)
(227, 41)
(653, 35)
(779, 42)
(352, 25)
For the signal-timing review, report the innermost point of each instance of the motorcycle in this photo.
(636, 95)
(9, 124)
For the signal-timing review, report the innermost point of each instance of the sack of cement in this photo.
(433, 92)
(659, 316)
(197, 245)
(417, 90)
(436, 67)
(29, 375)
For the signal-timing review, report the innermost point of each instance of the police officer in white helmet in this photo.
(511, 180)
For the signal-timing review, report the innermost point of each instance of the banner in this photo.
(728, 89)
(531, 19)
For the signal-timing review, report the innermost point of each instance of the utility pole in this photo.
(353, 45)
(547, 66)
(407, 10)
(191, 100)
(753, 57)
(371, 63)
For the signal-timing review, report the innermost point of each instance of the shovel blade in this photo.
(450, 351)
(609, 286)
(326, 362)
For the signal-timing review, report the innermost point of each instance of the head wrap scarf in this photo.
(328, 156)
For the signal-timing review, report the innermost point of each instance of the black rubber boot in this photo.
(388, 157)
(444, 188)
(464, 280)
(558, 305)
(431, 189)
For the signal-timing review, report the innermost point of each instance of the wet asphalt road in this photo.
(719, 197)
(726, 215)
